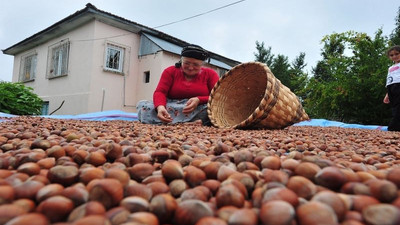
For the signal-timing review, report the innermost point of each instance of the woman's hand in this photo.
(191, 105)
(163, 114)
(386, 99)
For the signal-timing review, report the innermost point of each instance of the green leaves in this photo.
(349, 82)
(18, 99)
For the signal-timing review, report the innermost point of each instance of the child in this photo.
(393, 87)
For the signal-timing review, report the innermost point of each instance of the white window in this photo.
(27, 70)
(58, 59)
(114, 60)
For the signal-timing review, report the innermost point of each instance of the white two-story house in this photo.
(95, 61)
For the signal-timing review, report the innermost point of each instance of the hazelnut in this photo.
(330, 177)
(381, 214)
(171, 170)
(306, 214)
(28, 189)
(225, 212)
(243, 216)
(302, 186)
(49, 191)
(117, 215)
(191, 211)
(93, 220)
(307, 170)
(86, 209)
(88, 174)
(384, 190)
(229, 194)
(107, 191)
(178, 186)
(97, 158)
(56, 151)
(194, 176)
(277, 212)
(10, 211)
(26, 204)
(7, 194)
(135, 204)
(140, 171)
(137, 189)
(163, 206)
(210, 220)
(143, 218)
(394, 176)
(271, 162)
(64, 175)
(24, 219)
(77, 193)
(283, 194)
(334, 201)
(29, 168)
(118, 174)
(158, 187)
(56, 208)
(211, 169)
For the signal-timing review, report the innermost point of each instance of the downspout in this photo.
(102, 99)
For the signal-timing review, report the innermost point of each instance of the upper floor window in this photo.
(114, 58)
(27, 70)
(58, 59)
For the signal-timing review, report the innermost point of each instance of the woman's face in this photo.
(191, 66)
(394, 56)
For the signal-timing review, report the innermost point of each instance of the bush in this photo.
(18, 99)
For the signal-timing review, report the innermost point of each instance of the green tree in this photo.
(298, 78)
(395, 36)
(291, 76)
(349, 82)
(18, 99)
(280, 67)
(263, 54)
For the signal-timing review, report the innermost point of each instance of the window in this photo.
(27, 70)
(58, 59)
(45, 108)
(114, 58)
(222, 72)
(146, 77)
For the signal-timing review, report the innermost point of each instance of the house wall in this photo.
(73, 88)
(88, 87)
(110, 90)
(155, 63)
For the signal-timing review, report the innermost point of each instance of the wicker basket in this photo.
(249, 96)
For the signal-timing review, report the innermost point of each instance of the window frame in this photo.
(58, 59)
(32, 67)
(111, 47)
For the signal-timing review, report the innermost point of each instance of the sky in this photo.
(226, 27)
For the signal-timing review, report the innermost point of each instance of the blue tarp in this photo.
(96, 116)
(121, 115)
(328, 123)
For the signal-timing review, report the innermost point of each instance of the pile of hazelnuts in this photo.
(74, 172)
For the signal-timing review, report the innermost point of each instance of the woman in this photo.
(182, 92)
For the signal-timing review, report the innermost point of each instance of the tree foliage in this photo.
(348, 83)
(18, 99)
(395, 36)
(263, 54)
(291, 75)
